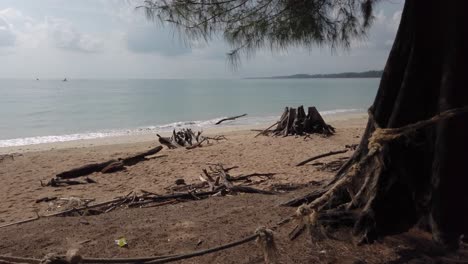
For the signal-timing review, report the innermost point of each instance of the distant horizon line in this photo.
(291, 76)
(341, 75)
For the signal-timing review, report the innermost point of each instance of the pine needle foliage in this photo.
(248, 25)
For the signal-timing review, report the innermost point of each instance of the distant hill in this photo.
(366, 74)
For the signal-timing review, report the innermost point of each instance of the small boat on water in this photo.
(65, 80)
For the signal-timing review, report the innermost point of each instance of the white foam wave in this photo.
(341, 111)
(50, 139)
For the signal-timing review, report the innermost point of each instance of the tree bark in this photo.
(424, 174)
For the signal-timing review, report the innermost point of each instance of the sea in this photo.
(44, 111)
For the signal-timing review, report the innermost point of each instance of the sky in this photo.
(111, 39)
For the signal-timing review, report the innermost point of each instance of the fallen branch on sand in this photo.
(20, 222)
(57, 182)
(286, 187)
(266, 130)
(62, 179)
(331, 166)
(46, 199)
(187, 138)
(211, 179)
(219, 180)
(229, 118)
(248, 176)
(321, 156)
(196, 145)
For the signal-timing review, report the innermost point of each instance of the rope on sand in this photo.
(262, 235)
(12, 259)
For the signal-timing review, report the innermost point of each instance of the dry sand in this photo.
(22, 172)
(180, 228)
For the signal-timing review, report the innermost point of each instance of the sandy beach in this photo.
(187, 226)
(23, 168)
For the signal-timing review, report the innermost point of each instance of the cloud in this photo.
(19, 29)
(65, 36)
(14, 17)
(382, 33)
(7, 37)
(110, 39)
(395, 22)
(152, 39)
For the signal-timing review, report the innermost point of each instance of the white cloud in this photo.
(395, 22)
(382, 32)
(109, 39)
(152, 39)
(14, 16)
(65, 36)
(7, 37)
(24, 31)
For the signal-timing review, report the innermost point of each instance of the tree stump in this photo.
(295, 122)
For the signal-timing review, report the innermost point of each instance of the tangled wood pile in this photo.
(217, 178)
(215, 181)
(187, 138)
(295, 122)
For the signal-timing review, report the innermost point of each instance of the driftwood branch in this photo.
(321, 156)
(197, 145)
(132, 160)
(224, 181)
(187, 138)
(58, 182)
(229, 118)
(167, 142)
(266, 130)
(84, 170)
(104, 167)
(246, 177)
(20, 222)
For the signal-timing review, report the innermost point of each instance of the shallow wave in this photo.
(200, 124)
(50, 139)
(342, 111)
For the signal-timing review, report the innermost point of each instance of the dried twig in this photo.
(321, 156)
(266, 130)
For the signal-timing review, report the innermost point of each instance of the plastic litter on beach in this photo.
(121, 242)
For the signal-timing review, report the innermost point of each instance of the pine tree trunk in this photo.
(425, 174)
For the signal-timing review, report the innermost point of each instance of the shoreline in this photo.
(151, 136)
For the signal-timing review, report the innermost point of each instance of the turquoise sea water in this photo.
(34, 112)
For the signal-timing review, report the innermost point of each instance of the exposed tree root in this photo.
(351, 196)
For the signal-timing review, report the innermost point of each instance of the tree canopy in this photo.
(248, 25)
